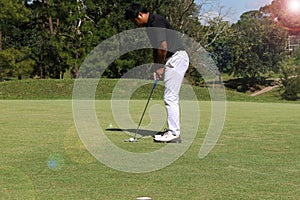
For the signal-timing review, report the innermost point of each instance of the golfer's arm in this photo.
(159, 54)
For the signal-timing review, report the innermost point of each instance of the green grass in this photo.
(62, 89)
(257, 155)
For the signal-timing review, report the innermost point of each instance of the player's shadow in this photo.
(142, 132)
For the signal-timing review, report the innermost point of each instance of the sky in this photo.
(237, 7)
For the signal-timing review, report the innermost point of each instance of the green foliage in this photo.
(290, 77)
(54, 35)
(258, 46)
(12, 13)
(63, 33)
(16, 62)
(194, 77)
(222, 46)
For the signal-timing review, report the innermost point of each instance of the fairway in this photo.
(257, 155)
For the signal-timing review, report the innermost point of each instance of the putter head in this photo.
(131, 140)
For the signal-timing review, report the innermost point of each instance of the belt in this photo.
(170, 54)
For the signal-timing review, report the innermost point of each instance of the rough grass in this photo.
(42, 157)
(62, 89)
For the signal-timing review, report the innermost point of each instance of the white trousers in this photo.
(175, 69)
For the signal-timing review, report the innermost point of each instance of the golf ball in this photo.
(131, 139)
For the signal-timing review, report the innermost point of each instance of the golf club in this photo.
(134, 138)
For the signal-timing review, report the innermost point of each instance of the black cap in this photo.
(132, 12)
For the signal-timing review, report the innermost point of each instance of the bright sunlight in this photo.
(294, 5)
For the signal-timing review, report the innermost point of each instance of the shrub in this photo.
(290, 78)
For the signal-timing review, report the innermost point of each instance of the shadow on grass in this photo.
(248, 84)
(142, 132)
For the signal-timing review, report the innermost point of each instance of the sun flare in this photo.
(294, 5)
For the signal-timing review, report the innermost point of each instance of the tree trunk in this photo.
(41, 58)
(62, 74)
(51, 26)
(57, 23)
(76, 69)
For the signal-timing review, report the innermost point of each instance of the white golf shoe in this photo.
(167, 137)
(161, 133)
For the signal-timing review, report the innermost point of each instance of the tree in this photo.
(16, 62)
(60, 33)
(66, 31)
(221, 46)
(290, 76)
(12, 13)
(258, 47)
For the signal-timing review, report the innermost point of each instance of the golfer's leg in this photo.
(171, 98)
(174, 74)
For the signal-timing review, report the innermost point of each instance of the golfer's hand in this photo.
(158, 74)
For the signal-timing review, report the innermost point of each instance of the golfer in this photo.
(171, 62)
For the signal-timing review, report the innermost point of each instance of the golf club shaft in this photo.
(154, 85)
